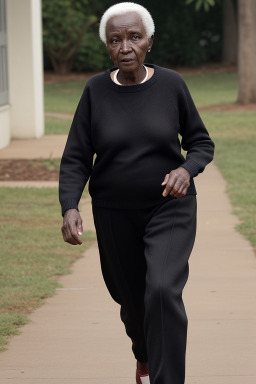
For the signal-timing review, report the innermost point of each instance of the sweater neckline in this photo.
(136, 87)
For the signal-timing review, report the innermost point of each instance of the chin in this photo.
(127, 67)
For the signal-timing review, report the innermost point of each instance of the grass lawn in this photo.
(207, 89)
(32, 254)
(234, 135)
(63, 97)
(212, 88)
(55, 126)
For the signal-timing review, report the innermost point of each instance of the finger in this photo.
(176, 188)
(80, 228)
(165, 179)
(67, 236)
(75, 236)
(182, 191)
(74, 233)
(70, 232)
(179, 192)
(71, 235)
(64, 233)
(72, 241)
(170, 184)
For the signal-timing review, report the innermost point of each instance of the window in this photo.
(3, 56)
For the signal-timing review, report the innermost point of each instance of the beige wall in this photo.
(25, 65)
(4, 126)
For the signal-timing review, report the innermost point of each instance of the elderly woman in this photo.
(143, 194)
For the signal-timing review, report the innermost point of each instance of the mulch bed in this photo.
(21, 170)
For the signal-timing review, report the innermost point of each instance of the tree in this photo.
(230, 32)
(247, 51)
(246, 47)
(65, 23)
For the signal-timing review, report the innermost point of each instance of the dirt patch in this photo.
(26, 170)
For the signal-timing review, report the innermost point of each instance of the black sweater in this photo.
(133, 130)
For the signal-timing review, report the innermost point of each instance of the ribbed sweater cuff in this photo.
(68, 204)
(192, 167)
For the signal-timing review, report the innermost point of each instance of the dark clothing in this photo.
(144, 238)
(144, 260)
(134, 130)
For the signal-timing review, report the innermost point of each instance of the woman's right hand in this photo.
(72, 227)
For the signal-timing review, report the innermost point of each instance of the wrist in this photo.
(185, 171)
(69, 210)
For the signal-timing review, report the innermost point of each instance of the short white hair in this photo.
(122, 8)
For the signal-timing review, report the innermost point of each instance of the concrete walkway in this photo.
(77, 336)
(45, 147)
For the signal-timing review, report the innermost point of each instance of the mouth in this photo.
(127, 61)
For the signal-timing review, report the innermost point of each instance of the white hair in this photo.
(122, 8)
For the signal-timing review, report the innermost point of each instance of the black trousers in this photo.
(144, 261)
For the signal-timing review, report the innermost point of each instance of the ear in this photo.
(150, 41)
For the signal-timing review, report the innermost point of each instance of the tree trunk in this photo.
(64, 67)
(230, 33)
(62, 58)
(247, 51)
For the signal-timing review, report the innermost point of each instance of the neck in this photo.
(131, 77)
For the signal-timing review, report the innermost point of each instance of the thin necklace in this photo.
(117, 82)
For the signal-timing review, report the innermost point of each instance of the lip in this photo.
(127, 61)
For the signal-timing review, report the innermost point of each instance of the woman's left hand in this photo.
(177, 182)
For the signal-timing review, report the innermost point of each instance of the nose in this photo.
(125, 46)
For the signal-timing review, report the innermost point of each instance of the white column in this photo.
(25, 64)
(4, 126)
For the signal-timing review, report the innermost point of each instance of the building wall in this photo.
(25, 64)
(23, 114)
(4, 96)
(5, 133)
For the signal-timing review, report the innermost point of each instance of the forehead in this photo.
(126, 21)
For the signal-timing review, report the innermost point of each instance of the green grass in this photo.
(234, 135)
(55, 126)
(207, 89)
(32, 254)
(9, 324)
(63, 97)
(212, 88)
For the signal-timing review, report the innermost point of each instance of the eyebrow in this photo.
(129, 31)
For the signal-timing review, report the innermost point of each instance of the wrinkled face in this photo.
(127, 42)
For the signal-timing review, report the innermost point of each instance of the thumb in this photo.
(79, 228)
(165, 179)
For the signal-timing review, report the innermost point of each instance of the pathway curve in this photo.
(77, 337)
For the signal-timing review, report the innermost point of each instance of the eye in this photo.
(136, 37)
(114, 41)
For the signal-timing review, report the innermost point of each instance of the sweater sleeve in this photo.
(195, 137)
(77, 159)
